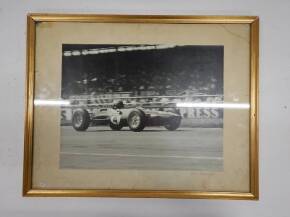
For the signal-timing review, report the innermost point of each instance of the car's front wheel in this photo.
(136, 121)
(81, 120)
(173, 123)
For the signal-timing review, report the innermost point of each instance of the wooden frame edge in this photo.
(29, 85)
(33, 18)
(140, 194)
(114, 18)
(254, 112)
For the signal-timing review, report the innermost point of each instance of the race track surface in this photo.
(152, 149)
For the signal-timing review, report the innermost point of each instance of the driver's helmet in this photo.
(119, 105)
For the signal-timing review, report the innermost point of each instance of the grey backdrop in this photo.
(274, 111)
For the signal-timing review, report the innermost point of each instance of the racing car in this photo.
(118, 117)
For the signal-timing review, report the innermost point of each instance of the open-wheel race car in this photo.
(118, 117)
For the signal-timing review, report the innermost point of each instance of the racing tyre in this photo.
(173, 123)
(81, 120)
(115, 126)
(136, 121)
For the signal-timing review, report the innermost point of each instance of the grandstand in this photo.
(141, 70)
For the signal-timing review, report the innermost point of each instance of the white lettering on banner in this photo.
(66, 114)
(198, 113)
(205, 113)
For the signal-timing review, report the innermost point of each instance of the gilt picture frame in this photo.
(141, 106)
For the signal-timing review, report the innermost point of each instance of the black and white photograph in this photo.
(142, 107)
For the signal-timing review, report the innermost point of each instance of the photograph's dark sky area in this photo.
(162, 71)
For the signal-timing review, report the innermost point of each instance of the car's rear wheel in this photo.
(136, 121)
(115, 126)
(81, 120)
(173, 123)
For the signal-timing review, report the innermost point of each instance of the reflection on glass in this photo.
(213, 105)
(48, 102)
